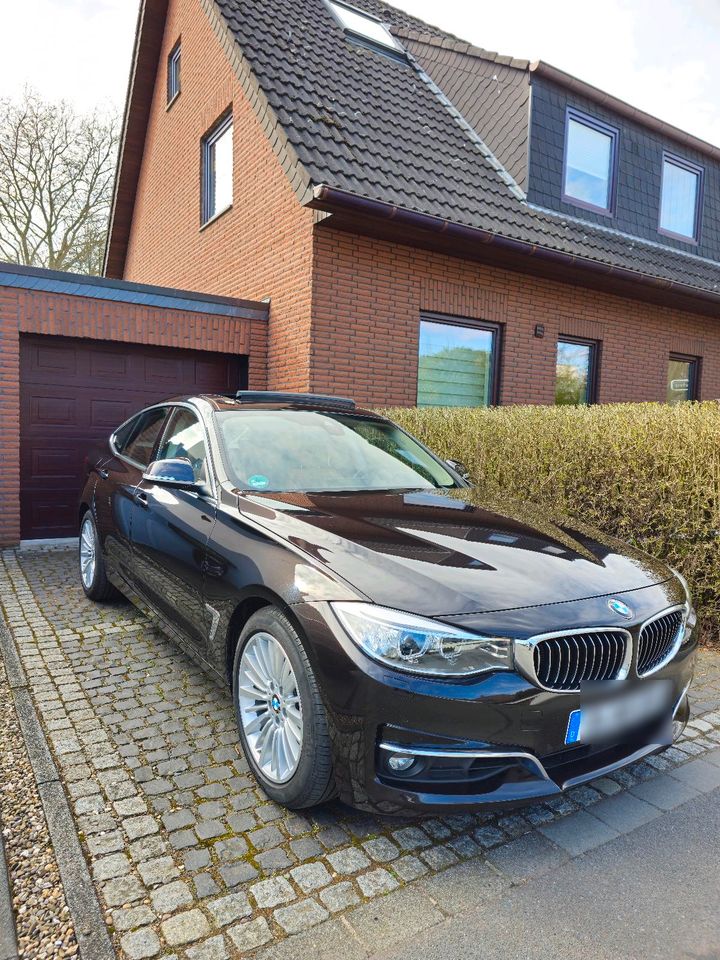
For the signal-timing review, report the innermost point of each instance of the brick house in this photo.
(430, 222)
(371, 207)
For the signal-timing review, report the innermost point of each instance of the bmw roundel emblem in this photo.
(622, 609)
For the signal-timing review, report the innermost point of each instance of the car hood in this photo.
(446, 553)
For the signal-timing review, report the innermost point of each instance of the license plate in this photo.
(617, 713)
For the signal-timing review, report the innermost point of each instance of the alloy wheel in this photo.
(88, 557)
(270, 707)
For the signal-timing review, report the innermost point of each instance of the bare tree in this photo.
(56, 180)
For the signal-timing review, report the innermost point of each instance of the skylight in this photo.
(363, 25)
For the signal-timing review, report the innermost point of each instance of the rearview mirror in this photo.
(177, 474)
(459, 467)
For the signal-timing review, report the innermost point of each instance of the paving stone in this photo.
(265, 838)
(132, 917)
(698, 775)
(464, 846)
(238, 873)
(140, 944)
(381, 849)
(579, 832)
(209, 829)
(116, 865)
(250, 934)
(159, 870)
(272, 892)
(664, 792)
(376, 882)
(272, 860)
(439, 858)
(136, 827)
(332, 837)
(350, 860)
(409, 868)
(196, 859)
(411, 838)
(528, 856)
(147, 848)
(489, 837)
(205, 885)
(178, 819)
(183, 838)
(171, 897)
(213, 949)
(624, 812)
(306, 848)
(210, 810)
(227, 909)
(339, 896)
(106, 843)
(300, 916)
(185, 928)
(122, 890)
(234, 848)
(130, 807)
(311, 876)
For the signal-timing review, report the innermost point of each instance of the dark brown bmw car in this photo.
(387, 634)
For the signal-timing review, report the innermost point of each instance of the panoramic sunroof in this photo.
(363, 25)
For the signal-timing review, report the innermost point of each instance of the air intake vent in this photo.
(565, 661)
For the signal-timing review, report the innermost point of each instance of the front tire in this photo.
(92, 563)
(280, 713)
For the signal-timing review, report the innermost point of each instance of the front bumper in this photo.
(494, 741)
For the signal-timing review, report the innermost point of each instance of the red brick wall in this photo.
(262, 246)
(368, 296)
(29, 311)
(9, 417)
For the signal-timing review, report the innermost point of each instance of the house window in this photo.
(681, 197)
(173, 73)
(683, 380)
(217, 169)
(576, 371)
(458, 363)
(590, 151)
(362, 25)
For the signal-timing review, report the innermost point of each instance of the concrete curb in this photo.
(8, 937)
(90, 928)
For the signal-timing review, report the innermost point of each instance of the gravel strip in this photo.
(44, 926)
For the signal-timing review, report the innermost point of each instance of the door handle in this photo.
(141, 498)
(104, 474)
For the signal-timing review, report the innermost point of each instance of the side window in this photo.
(185, 439)
(139, 442)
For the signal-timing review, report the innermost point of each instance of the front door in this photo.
(171, 529)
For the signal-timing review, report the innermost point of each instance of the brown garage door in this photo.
(73, 393)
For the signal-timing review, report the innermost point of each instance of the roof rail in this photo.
(311, 399)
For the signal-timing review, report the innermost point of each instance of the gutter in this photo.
(325, 196)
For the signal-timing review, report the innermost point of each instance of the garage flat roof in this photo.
(143, 294)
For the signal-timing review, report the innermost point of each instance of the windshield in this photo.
(308, 451)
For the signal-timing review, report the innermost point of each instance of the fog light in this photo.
(399, 763)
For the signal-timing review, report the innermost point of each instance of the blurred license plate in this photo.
(618, 713)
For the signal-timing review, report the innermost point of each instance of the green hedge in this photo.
(647, 473)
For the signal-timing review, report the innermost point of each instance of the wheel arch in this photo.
(253, 599)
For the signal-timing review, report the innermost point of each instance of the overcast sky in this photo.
(660, 55)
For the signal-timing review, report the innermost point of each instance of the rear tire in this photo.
(280, 713)
(92, 563)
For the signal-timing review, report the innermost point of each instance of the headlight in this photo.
(691, 616)
(406, 642)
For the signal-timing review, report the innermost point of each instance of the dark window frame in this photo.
(579, 116)
(675, 160)
(174, 62)
(593, 372)
(207, 169)
(695, 364)
(471, 323)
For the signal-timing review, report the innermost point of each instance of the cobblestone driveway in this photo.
(189, 858)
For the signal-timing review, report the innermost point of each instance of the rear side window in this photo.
(137, 438)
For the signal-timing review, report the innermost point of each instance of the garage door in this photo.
(73, 393)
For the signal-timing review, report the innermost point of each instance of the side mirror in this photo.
(177, 474)
(459, 467)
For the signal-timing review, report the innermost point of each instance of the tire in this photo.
(269, 639)
(92, 571)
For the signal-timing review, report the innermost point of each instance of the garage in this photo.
(79, 355)
(73, 395)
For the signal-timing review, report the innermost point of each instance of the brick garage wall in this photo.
(30, 311)
(368, 295)
(262, 246)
